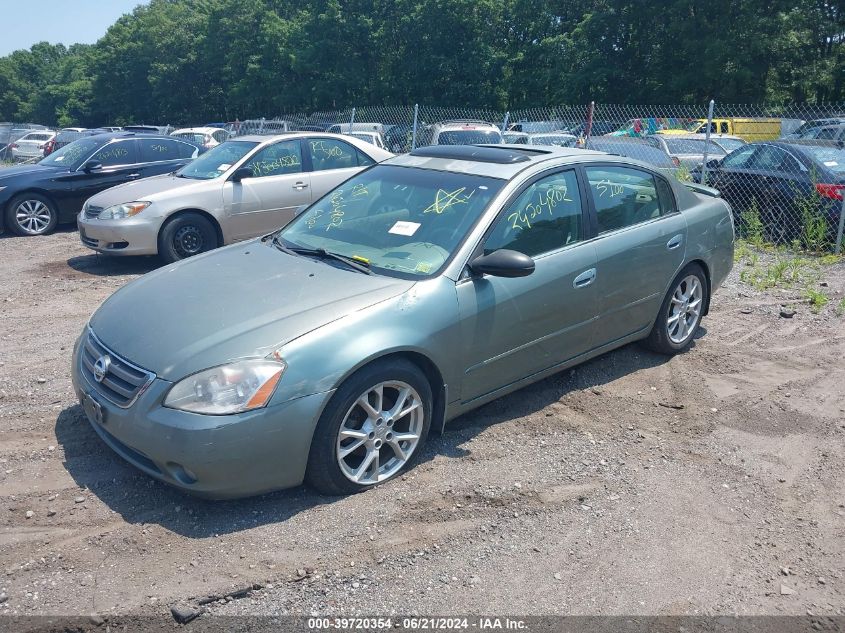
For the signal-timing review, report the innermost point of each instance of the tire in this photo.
(31, 214)
(367, 433)
(186, 235)
(666, 336)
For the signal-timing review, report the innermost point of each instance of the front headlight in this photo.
(121, 211)
(233, 388)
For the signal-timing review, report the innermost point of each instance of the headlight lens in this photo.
(121, 211)
(227, 389)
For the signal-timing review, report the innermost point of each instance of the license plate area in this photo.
(93, 409)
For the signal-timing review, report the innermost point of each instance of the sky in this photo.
(25, 22)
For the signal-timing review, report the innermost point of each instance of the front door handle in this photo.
(133, 176)
(585, 278)
(675, 242)
(300, 186)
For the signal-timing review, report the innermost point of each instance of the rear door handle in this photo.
(675, 242)
(300, 186)
(585, 278)
(133, 176)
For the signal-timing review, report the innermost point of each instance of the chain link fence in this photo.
(782, 168)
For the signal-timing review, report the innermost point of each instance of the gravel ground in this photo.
(708, 483)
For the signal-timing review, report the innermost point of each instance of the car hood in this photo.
(245, 300)
(148, 189)
(27, 170)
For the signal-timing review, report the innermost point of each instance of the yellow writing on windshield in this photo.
(446, 199)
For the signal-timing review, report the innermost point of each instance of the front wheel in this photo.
(681, 312)
(31, 214)
(372, 430)
(186, 235)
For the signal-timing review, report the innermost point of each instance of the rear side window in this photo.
(741, 158)
(156, 150)
(327, 153)
(545, 217)
(623, 197)
(119, 153)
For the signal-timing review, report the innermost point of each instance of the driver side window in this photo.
(545, 217)
(276, 160)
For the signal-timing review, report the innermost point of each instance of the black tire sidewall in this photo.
(168, 252)
(11, 214)
(658, 339)
(323, 471)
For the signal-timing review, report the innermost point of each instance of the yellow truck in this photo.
(750, 129)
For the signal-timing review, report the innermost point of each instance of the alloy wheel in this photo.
(380, 432)
(33, 216)
(684, 309)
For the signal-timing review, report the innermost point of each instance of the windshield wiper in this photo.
(322, 253)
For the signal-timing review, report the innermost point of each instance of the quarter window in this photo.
(276, 160)
(120, 153)
(545, 217)
(623, 197)
(327, 153)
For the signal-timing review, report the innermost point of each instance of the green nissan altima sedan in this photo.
(419, 289)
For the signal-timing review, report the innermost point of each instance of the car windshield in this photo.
(468, 137)
(401, 221)
(72, 155)
(552, 139)
(730, 144)
(637, 151)
(217, 160)
(833, 158)
(690, 146)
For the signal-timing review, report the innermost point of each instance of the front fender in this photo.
(423, 320)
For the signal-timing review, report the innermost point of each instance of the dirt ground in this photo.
(708, 483)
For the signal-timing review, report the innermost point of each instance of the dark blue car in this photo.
(783, 181)
(34, 199)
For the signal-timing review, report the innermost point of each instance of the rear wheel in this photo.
(31, 214)
(372, 430)
(186, 235)
(681, 312)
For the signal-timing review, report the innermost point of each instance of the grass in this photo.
(817, 299)
(767, 266)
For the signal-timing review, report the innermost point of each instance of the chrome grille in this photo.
(122, 383)
(92, 211)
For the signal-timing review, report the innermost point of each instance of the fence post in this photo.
(352, 121)
(707, 141)
(589, 126)
(841, 223)
(414, 137)
(505, 122)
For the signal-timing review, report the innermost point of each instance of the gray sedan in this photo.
(417, 290)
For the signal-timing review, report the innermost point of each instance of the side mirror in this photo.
(713, 163)
(241, 173)
(503, 263)
(92, 165)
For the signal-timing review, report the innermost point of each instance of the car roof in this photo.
(500, 161)
(110, 136)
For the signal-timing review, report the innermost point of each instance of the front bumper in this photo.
(218, 457)
(133, 236)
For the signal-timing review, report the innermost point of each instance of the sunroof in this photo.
(475, 153)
